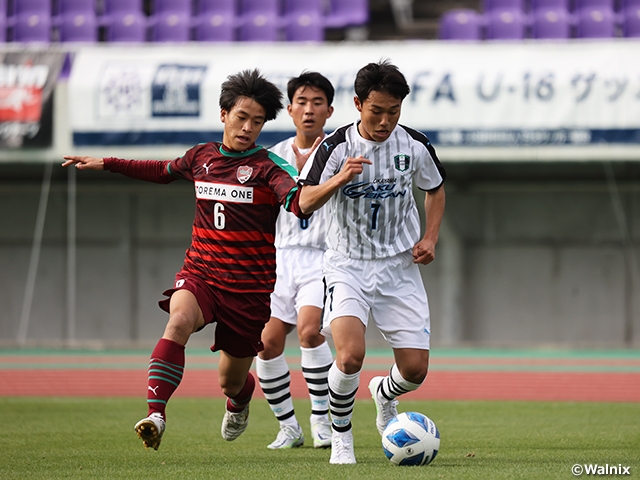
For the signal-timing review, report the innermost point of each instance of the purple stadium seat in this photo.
(631, 22)
(304, 20)
(21, 7)
(461, 24)
(347, 13)
(303, 6)
(78, 27)
(259, 27)
(550, 4)
(259, 6)
(75, 6)
(304, 27)
(489, 5)
(3, 26)
(551, 23)
(215, 21)
(217, 6)
(126, 27)
(112, 7)
(505, 25)
(593, 22)
(32, 27)
(170, 27)
(171, 6)
(581, 4)
(215, 27)
(259, 20)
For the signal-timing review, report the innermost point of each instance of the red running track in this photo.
(440, 384)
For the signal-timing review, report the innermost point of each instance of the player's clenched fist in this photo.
(84, 162)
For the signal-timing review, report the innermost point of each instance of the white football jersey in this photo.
(292, 231)
(375, 216)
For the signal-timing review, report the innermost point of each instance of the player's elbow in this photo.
(305, 201)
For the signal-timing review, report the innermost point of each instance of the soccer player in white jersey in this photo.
(299, 292)
(365, 171)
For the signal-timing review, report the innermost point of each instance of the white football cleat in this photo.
(342, 448)
(234, 424)
(288, 437)
(150, 430)
(321, 432)
(386, 409)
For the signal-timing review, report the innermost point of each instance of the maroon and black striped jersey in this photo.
(238, 197)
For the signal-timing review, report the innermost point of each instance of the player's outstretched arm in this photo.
(84, 162)
(424, 251)
(312, 197)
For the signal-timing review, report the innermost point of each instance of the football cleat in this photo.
(321, 432)
(288, 437)
(150, 430)
(234, 424)
(386, 409)
(342, 448)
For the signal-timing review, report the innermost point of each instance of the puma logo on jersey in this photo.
(206, 167)
(327, 146)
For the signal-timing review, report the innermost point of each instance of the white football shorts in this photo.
(388, 291)
(298, 282)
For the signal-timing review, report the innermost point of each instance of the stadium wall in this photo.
(539, 244)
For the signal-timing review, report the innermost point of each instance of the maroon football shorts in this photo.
(239, 317)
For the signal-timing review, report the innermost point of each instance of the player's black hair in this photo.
(311, 79)
(251, 84)
(380, 77)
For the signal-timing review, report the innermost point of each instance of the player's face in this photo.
(242, 124)
(309, 110)
(379, 115)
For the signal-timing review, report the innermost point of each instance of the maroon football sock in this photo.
(166, 368)
(241, 400)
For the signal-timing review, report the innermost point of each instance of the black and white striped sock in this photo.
(342, 395)
(275, 381)
(315, 363)
(394, 385)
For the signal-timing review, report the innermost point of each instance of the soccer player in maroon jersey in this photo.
(229, 269)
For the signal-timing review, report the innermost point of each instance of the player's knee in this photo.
(415, 373)
(271, 350)
(309, 336)
(350, 362)
(180, 325)
(229, 387)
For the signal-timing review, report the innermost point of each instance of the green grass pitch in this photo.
(43, 438)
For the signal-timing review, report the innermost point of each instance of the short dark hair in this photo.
(311, 79)
(381, 77)
(251, 84)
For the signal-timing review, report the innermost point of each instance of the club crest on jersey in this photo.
(402, 162)
(244, 173)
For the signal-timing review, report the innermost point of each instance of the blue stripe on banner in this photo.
(82, 139)
(533, 137)
(504, 138)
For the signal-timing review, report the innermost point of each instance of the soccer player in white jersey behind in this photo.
(299, 292)
(365, 171)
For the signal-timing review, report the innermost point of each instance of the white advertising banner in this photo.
(575, 93)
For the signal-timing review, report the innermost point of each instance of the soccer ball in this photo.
(411, 438)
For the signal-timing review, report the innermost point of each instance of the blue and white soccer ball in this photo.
(411, 438)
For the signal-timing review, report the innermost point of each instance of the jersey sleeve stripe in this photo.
(282, 163)
(422, 138)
